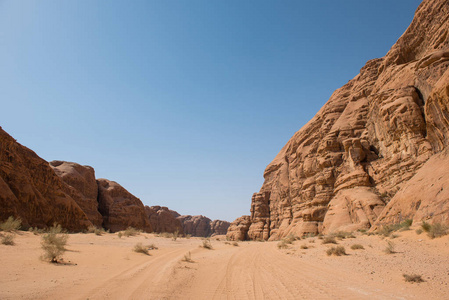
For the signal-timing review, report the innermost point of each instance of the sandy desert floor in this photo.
(105, 267)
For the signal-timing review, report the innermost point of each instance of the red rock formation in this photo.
(202, 226)
(120, 209)
(367, 142)
(238, 230)
(163, 219)
(82, 186)
(30, 189)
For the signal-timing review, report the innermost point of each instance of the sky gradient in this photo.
(184, 103)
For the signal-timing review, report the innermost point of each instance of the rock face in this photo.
(202, 226)
(82, 186)
(238, 230)
(119, 208)
(163, 219)
(367, 145)
(30, 189)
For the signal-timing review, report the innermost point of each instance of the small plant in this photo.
(96, 230)
(289, 239)
(357, 247)
(11, 224)
(130, 231)
(235, 244)
(227, 243)
(175, 235)
(139, 248)
(120, 234)
(329, 240)
(188, 236)
(304, 246)
(413, 278)
(390, 248)
(207, 244)
(426, 226)
(344, 235)
(437, 230)
(53, 243)
(187, 257)
(418, 231)
(337, 251)
(8, 239)
(282, 245)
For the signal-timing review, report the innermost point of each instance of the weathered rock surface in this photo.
(163, 219)
(119, 208)
(366, 143)
(238, 230)
(30, 189)
(202, 226)
(82, 186)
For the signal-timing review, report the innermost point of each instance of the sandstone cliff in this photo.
(358, 162)
(30, 189)
(163, 219)
(82, 186)
(202, 226)
(119, 208)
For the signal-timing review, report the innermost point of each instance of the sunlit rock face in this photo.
(353, 165)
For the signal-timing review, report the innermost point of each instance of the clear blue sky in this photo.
(184, 103)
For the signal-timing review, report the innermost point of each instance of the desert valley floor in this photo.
(106, 267)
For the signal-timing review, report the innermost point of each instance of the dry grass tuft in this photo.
(282, 245)
(235, 244)
(187, 257)
(337, 251)
(329, 240)
(11, 224)
(139, 248)
(206, 244)
(97, 230)
(304, 246)
(413, 278)
(357, 246)
(8, 239)
(53, 243)
(390, 248)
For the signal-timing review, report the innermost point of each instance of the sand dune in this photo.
(105, 267)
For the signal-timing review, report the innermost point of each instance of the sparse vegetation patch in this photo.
(329, 240)
(337, 251)
(413, 278)
(11, 224)
(357, 247)
(390, 248)
(206, 244)
(8, 239)
(53, 243)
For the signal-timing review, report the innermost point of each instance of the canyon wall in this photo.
(365, 158)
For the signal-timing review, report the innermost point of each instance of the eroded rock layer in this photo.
(203, 226)
(163, 219)
(30, 190)
(366, 144)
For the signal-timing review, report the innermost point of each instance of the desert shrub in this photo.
(187, 257)
(139, 248)
(437, 230)
(188, 236)
(131, 231)
(227, 243)
(120, 234)
(418, 231)
(413, 278)
(8, 239)
(282, 245)
(405, 225)
(11, 224)
(390, 248)
(329, 240)
(357, 246)
(426, 226)
(289, 239)
(235, 244)
(344, 235)
(206, 244)
(96, 230)
(53, 243)
(175, 235)
(337, 251)
(304, 246)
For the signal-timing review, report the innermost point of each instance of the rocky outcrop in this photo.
(30, 189)
(202, 226)
(364, 147)
(119, 208)
(82, 186)
(238, 230)
(163, 219)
